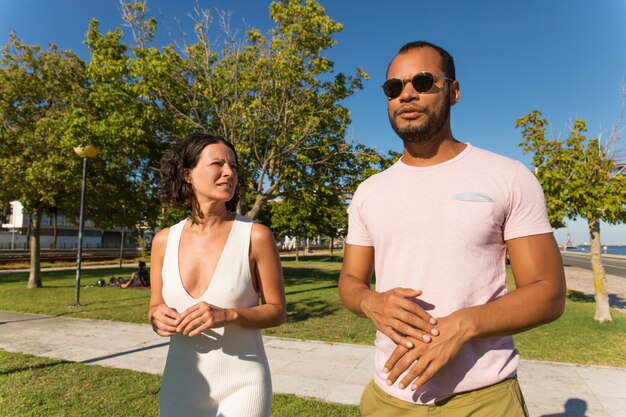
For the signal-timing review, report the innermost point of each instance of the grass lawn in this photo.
(315, 312)
(35, 386)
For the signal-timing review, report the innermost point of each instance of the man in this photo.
(436, 227)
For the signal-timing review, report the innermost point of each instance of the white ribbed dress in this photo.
(221, 372)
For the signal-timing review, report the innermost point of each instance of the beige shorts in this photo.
(503, 399)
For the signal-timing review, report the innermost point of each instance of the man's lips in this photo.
(410, 112)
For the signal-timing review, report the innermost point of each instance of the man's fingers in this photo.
(410, 331)
(415, 312)
(424, 378)
(407, 292)
(396, 337)
(395, 356)
(421, 375)
(400, 366)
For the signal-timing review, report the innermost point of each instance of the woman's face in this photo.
(214, 178)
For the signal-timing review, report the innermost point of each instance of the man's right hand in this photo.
(396, 316)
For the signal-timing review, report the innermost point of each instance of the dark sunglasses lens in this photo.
(423, 82)
(393, 87)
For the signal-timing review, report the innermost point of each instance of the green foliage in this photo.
(577, 174)
(171, 216)
(274, 96)
(142, 247)
(37, 92)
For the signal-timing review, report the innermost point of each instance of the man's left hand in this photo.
(426, 359)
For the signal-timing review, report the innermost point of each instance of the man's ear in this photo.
(455, 92)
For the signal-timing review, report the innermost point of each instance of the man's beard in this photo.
(427, 131)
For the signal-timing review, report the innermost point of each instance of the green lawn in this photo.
(32, 386)
(315, 312)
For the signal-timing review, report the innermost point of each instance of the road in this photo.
(613, 265)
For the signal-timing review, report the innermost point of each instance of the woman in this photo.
(207, 274)
(139, 278)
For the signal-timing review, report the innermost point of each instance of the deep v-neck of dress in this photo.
(217, 266)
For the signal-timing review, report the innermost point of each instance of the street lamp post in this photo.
(85, 152)
(122, 238)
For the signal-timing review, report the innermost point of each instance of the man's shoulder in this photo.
(481, 156)
(380, 178)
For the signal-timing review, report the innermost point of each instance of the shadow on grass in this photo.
(579, 297)
(303, 310)
(615, 300)
(33, 368)
(311, 289)
(313, 258)
(295, 275)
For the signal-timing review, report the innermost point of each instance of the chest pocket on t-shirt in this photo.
(476, 218)
(472, 197)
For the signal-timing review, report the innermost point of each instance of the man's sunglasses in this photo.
(422, 82)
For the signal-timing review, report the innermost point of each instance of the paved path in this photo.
(331, 372)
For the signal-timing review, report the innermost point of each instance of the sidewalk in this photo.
(331, 372)
(580, 279)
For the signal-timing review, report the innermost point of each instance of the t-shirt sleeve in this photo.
(527, 208)
(358, 233)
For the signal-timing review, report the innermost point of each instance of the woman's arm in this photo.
(162, 318)
(265, 267)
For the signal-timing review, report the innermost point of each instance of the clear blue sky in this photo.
(566, 58)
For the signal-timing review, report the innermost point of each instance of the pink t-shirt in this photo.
(442, 229)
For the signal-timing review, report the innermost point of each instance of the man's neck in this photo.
(431, 152)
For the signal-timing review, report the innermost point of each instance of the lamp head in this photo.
(87, 151)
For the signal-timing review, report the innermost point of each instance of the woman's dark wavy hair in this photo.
(175, 165)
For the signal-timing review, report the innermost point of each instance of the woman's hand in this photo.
(163, 320)
(203, 316)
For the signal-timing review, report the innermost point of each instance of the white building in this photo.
(14, 233)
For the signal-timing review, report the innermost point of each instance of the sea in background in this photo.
(610, 249)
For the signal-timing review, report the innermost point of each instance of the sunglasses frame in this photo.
(433, 77)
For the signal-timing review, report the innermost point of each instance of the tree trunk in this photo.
(330, 248)
(34, 279)
(260, 201)
(603, 312)
(55, 231)
(242, 206)
(297, 247)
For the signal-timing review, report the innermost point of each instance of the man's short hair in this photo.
(447, 62)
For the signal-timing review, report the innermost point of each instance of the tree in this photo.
(52, 101)
(579, 178)
(306, 215)
(37, 89)
(275, 97)
(319, 207)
